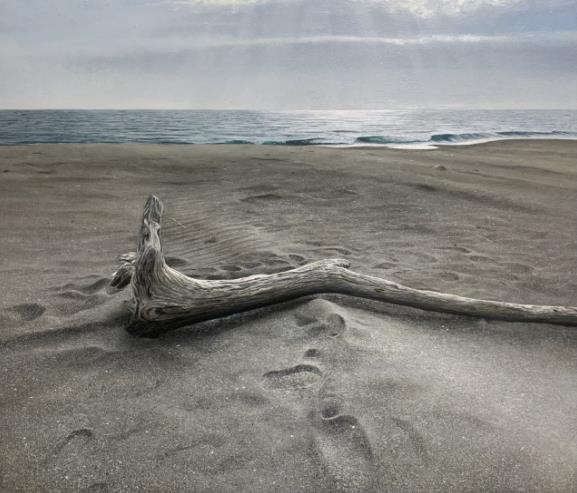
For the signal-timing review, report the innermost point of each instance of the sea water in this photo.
(392, 128)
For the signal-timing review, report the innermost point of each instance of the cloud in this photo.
(429, 8)
(435, 39)
(420, 8)
(215, 3)
(336, 55)
(287, 53)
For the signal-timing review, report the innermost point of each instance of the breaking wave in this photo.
(377, 139)
(465, 138)
(460, 138)
(299, 142)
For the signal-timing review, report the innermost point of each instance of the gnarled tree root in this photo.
(165, 298)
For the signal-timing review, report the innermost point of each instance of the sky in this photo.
(288, 54)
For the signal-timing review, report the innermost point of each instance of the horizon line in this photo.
(407, 108)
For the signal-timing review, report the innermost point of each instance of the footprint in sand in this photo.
(386, 265)
(340, 440)
(517, 268)
(333, 326)
(298, 377)
(480, 258)
(251, 265)
(312, 353)
(29, 311)
(96, 283)
(297, 259)
(342, 445)
(77, 302)
(73, 443)
(70, 456)
(275, 261)
(320, 318)
(449, 276)
(80, 296)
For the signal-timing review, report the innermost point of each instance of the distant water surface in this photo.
(393, 128)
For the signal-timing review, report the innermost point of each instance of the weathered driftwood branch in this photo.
(165, 298)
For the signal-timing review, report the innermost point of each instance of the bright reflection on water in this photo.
(405, 127)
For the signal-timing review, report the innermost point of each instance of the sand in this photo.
(323, 394)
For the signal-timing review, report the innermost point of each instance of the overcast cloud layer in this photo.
(288, 54)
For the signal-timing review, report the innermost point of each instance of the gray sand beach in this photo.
(320, 394)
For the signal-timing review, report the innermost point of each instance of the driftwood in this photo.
(164, 298)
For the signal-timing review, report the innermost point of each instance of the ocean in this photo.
(392, 128)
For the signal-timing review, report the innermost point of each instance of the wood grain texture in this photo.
(164, 298)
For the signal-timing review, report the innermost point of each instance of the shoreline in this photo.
(323, 146)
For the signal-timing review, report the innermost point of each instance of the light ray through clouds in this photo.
(428, 8)
(422, 8)
(284, 54)
(438, 39)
